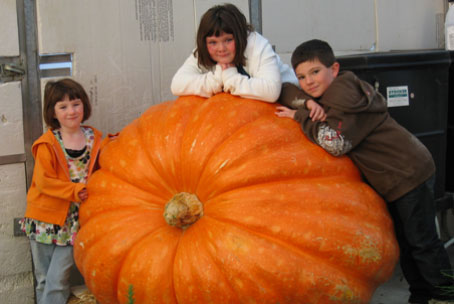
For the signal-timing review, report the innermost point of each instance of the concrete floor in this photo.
(395, 291)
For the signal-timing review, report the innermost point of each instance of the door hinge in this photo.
(11, 72)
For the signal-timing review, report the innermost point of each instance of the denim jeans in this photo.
(52, 269)
(423, 257)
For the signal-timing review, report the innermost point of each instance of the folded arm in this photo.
(192, 80)
(264, 82)
(46, 178)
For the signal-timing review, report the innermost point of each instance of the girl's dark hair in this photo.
(313, 49)
(56, 91)
(225, 18)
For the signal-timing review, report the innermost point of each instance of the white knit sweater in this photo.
(262, 64)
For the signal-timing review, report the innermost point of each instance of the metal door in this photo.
(20, 124)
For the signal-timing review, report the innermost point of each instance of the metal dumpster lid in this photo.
(397, 58)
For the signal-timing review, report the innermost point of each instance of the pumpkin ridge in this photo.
(209, 108)
(141, 130)
(114, 151)
(219, 171)
(180, 251)
(277, 179)
(113, 176)
(107, 214)
(183, 108)
(315, 254)
(220, 145)
(100, 209)
(101, 216)
(138, 244)
(291, 179)
(287, 239)
(355, 279)
(141, 209)
(367, 252)
(89, 257)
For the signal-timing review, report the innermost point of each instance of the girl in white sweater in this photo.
(231, 58)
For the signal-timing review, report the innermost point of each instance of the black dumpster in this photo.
(450, 134)
(416, 86)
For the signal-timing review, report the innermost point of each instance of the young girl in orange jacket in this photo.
(64, 158)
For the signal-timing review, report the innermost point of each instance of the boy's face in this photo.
(314, 77)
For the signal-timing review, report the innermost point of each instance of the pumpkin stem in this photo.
(183, 210)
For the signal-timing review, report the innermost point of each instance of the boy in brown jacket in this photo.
(354, 120)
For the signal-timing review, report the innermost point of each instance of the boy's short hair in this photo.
(225, 18)
(311, 50)
(56, 91)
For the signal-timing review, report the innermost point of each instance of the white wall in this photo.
(354, 26)
(122, 69)
(8, 20)
(122, 66)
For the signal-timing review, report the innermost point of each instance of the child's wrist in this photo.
(299, 103)
(310, 106)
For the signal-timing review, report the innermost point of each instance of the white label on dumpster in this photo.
(397, 96)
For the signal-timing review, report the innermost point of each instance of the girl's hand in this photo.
(83, 194)
(225, 66)
(285, 112)
(316, 111)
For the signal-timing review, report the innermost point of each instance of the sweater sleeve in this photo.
(192, 80)
(262, 65)
(351, 116)
(321, 133)
(46, 177)
(292, 96)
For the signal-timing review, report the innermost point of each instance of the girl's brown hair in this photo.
(225, 18)
(56, 91)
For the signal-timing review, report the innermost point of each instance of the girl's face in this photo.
(221, 48)
(69, 113)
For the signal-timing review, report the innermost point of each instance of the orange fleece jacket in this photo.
(52, 191)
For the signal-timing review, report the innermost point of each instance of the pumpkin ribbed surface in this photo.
(268, 216)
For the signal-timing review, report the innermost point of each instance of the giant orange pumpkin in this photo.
(219, 201)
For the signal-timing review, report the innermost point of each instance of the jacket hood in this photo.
(49, 138)
(46, 138)
(357, 95)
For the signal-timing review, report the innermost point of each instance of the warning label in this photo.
(397, 96)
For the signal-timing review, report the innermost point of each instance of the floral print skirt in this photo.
(54, 234)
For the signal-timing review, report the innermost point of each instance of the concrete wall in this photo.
(16, 278)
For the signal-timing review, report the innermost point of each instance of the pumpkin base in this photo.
(183, 210)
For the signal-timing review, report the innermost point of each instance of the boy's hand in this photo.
(83, 194)
(285, 112)
(316, 111)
